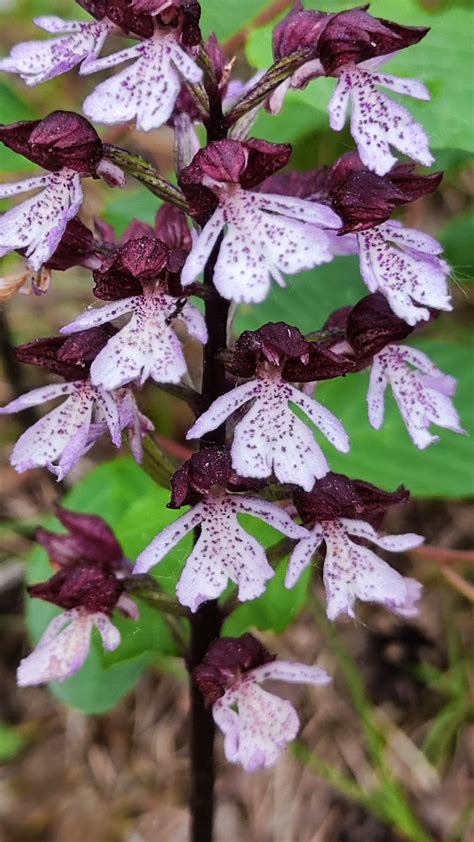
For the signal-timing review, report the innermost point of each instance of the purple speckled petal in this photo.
(78, 445)
(17, 187)
(223, 551)
(259, 244)
(290, 671)
(423, 393)
(271, 514)
(146, 91)
(329, 425)
(99, 316)
(377, 122)
(108, 408)
(167, 539)
(393, 543)
(352, 572)
(311, 212)
(61, 651)
(37, 396)
(146, 347)
(194, 321)
(270, 437)
(264, 725)
(38, 224)
(302, 555)
(224, 406)
(37, 61)
(132, 420)
(202, 248)
(412, 281)
(44, 443)
(376, 394)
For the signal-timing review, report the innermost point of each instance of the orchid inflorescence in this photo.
(236, 218)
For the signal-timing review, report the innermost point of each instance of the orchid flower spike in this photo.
(257, 725)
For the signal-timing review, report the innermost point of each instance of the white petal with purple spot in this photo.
(412, 280)
(422, 392)
(38, 61)
(352, 571)
(266, 237)
(257, 725)
(223, 551)
(64, 647)
(377, 122)
(270, 437)
(38, 224)
(146, 91)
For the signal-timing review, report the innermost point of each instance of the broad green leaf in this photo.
(458, 240)
(141, 524)
(226, 20)
(11, 742)
(131, 203)
(110, 489)
(388, 457)
(309, 297)
(13, 107)
(113, 490)
(275, 610)
(437, 61)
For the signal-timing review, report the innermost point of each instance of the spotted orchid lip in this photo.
(223, 551)
(270, 438)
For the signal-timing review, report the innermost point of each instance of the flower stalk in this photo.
(207, 621)
(146, 174)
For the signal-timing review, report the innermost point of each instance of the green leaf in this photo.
(309, 297)
(458, 240)
(437, 61)
(275, 610)
(13, 107)
(131, 203)
(278, 607)
(141, 524)
(11, 742)
(226, 20)
(120, 492)
(110, 489)
(388, 457)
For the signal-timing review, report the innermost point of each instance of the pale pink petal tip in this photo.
(258, 725)
(378, 122)
(64, 647)
(422, 392)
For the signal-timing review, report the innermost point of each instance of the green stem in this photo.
(278, 72)
(145, 587)
(144, 172)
